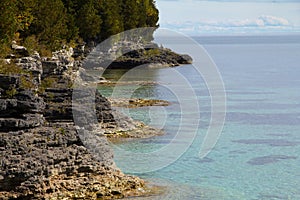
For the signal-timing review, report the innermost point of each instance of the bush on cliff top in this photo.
(57, 22)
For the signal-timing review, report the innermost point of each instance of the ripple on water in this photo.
(290, 119)
(279, 134)
(272, 197)
(237, 152)
(269, 159)
(205, 160)
(270, 142)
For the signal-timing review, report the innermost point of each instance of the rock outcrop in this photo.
(50, 162)
(19, 50)
(137, 102)
(32, 64)
(43, 154)
(129, 54)
(48, 154)
(19, 108)
(156, 56)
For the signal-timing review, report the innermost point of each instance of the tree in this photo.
(130, 14)
(50, 23)
(89, 22)
(8, 20)
(73, 30)
(142, 21)
(151, 13)
(112, 20)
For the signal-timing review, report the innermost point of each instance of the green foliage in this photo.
(62, 131)
(10, 69)
(47, 83)
(31, 43)
(46, 25)
(4, 49)
(26, 82)
(130, 14)
(151, 13)
(8, 20)
(24, 20)
(151, 52)
(50, 23)
(44, 50)
(112, 21)
(11, 92)
(89, 22)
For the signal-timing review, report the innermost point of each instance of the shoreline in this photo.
(38, 119)
(136, 102)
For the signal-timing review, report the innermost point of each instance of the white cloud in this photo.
(262, 23)
(273, 21)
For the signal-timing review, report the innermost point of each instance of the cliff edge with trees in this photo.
(47, 25)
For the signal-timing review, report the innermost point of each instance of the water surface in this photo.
(258, 153)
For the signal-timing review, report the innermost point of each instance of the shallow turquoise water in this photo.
(258, 153)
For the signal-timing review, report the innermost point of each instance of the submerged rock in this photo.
(137, 102)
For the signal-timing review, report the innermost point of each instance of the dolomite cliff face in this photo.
(42, 154)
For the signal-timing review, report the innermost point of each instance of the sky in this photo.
(200, 17)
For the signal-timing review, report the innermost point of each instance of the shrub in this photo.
(26, 82)
(4, 50)
(31, 43)
(151, 52)
(10, 69)
(11, 92)
(47, 83)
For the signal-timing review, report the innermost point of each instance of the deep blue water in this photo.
(258, 153)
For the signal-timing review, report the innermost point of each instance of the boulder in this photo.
(21, 51)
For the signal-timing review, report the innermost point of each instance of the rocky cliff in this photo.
(42, 155)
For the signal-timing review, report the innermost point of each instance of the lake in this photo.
(257, 155)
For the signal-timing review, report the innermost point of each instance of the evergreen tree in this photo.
(89, 22)
(73, 30)
(54, 22)
(50, 24)
(112, 20)
(151, 13)
(8, 20)
(142, 21)
(130, 13)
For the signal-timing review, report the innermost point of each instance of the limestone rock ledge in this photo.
(41, 153)
(21, 109)
(50, 162)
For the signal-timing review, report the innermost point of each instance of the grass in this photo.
(10, 69)
(10, 93)
(47, 83)
(151, 52)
